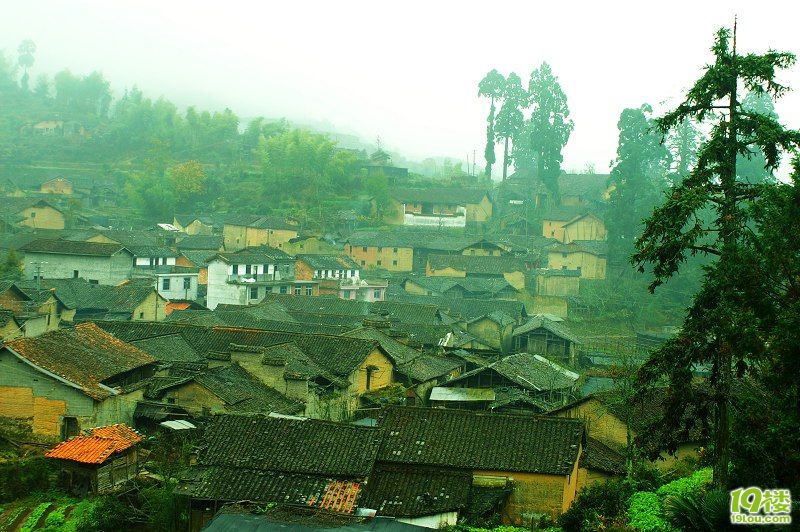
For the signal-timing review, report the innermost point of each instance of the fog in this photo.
(404, 71)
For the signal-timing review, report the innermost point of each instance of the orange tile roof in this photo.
(340, 496)
(97, 446)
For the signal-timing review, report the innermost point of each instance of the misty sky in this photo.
(406, 71)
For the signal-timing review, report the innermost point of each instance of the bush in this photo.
(692, 485)
(35, 515)
(19, 479)
(706, 512)
(596, 505)
(645, 514)
(106, 514)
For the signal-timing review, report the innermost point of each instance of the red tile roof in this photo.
(96, 447)
(340, 496)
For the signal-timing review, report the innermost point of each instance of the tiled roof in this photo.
(67, 247)
(530, 372)
(305, 446)
(329, 262)
(399, 353)
(197, 257)
(266, 486)
(475, 264)
(235, 386)
(489, 285)
(407, 312)
(428, 367)
(255, 255)
(152, 251)
(246, 320)
(461, 196)
(85, 356)
(591, 186)
(336, 354)
(564, 213)
(6, 316)
(594, 247)
(201, 242)
(540, 322)
(168, 348)
(398, 491)
(133, 237)
(13, 205)
(468, 308)
(599, 457)
(434, 240)
(320, 305)
(81, 295)
(97, 446)
(480, 441)
(259, 221)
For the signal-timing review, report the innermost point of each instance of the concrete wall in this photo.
(105, 270)
(176, 286)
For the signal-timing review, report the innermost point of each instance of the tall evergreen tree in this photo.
(491, 86)
(550, 125)
(637, 176)
(682, 142)
(752, 167)
(510, 119)
(721, 327)
(25, 59)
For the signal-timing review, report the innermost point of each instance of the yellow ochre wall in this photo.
(592, 266)
(46, 218)
(387, 255)
(587, 228)
(381, 377)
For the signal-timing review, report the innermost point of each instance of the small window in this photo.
(253, 292)
(247, 269)
(394, 250)
(379, 262)
(376, 294)
(69, 427)
(380, 249)
(564, 255)
(165, 282)
(187, 283)
(33, 214)
(309, 290)
(75, 274)
(394, 263)
(91, 281)
(235, 269)
(363, 263)
(298, 290)
(283, 290)
(364, 248)
(141, 315)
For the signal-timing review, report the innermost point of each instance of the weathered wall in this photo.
(386, 258)
(587, 228)
(591, 266)
(104, 270)
(532, 494)
(381, 376)
(42, 218)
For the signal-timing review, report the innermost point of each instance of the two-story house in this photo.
(439, 207)
(246, 276)
(245, 231)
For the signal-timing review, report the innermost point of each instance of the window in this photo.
(253, 292)
(363, 263)
(235, 269)
(379, 262)
(187, 283)
(364, 248)
(394, 263)
(91, 281)
(283, 290)
(309, 290)
(141, 315)
(380, 249)
(247, 269)
(298, 290)
(165, 282)
(75, 274)
(33, 214)
(376, 294)
(69, 427)
(394, 250)
(563, 255)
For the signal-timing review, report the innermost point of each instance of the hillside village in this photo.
(207, 324)
(451, 310)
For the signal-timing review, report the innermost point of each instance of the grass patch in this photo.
(35, 516)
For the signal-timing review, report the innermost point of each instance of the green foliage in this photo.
(638, 178)
(596, 505)
(492, 86)
(693, 484)
(163, 508)
(21, 478)
(709, 212)
(11, 267)
(645, 513)
(699, 512)
(106, 514)
(549, 126)
(33, 519)
(55, 519)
